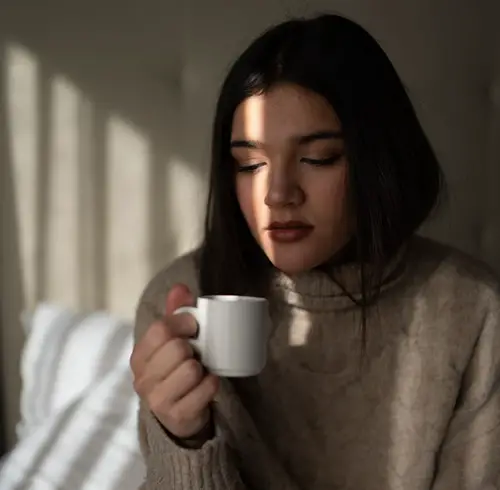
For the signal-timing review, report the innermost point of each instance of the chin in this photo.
(291, 264)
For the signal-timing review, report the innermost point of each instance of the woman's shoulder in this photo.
(182, 270)
(456, 295)
(447, 268)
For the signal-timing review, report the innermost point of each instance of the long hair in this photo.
(395, 178)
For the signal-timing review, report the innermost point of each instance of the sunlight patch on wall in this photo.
(63, 185)
(128, 235)
(185, 199)
(85, 194)
(22, 74)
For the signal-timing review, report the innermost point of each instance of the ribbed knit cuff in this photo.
(175, 468)
(208, 468)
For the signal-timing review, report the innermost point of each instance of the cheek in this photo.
(247, 199)
(329, 195)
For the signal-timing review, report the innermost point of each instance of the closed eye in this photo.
(322, 161)
(249, 168)
(319, 162)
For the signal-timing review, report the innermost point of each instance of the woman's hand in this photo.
(167, 376)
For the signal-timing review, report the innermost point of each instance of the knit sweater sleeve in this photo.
(169, 466)
(470, 454)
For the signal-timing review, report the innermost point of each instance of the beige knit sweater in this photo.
(422, 412)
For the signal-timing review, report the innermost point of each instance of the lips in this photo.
(289, 231)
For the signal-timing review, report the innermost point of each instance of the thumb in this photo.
(178, 296)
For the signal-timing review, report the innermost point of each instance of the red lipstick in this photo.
(289, 231)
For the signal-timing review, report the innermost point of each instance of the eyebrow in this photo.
(301, 140)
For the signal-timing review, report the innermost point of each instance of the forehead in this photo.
(282, 113)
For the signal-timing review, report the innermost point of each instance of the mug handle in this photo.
(193, 311)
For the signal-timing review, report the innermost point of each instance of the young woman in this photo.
(384, 360)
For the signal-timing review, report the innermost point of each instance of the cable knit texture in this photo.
(418, 410)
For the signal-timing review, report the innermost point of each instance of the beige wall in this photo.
(98, 187)
(104, 128)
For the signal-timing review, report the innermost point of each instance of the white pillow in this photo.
(65, 353)
(79, 423)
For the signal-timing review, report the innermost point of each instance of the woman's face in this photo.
(292, 180)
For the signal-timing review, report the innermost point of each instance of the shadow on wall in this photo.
(97, 184)
(92, 189)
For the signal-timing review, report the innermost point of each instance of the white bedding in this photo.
(79, 427)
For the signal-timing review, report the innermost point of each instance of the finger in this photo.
(182, 325)
(179, 295)
(184, 379)
(162, 364)
(156, 336)
(198, 398)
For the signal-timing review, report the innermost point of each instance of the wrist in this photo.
(201, 437)
(195, 441)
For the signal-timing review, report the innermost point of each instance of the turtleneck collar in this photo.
(333, 286)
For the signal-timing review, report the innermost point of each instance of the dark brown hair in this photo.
(394, 174)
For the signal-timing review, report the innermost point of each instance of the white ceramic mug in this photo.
(232, 334)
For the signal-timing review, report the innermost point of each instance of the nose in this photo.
(283, 189)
